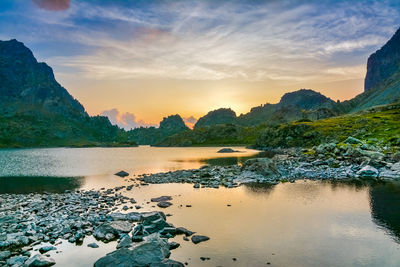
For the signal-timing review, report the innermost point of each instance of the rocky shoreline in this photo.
(353, 159)
(34, 220)
(29, 220)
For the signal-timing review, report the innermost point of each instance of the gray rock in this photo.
(162, 198)
(4, 254)
(39, 260)
(368, 172)
(164, 204)
(16, 260)
(173, 245)
(396, 167)
(46, 249)
(93, 245)
(263, 166)
(197, 185)
(167, 263)
(125, 242)
(150, 251)
(111, 230)
(182, 230)
(122, 174)
(199, 238)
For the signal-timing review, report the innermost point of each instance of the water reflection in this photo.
(28, 184)
(385, 207)
(259, 188)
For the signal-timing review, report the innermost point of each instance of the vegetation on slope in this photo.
(378, 126)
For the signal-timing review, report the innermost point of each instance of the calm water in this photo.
(305, 223)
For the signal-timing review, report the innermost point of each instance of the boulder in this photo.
(184, 231)
(46, 249)
(39, 260)
(199, 238)
(124, 242)
(396, 167)
(368, 172)
(16, 260)
(122, 174)
(152, 250)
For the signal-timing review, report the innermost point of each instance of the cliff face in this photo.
(29, 86)
(384, 64)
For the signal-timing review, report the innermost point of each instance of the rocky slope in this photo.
(35, 110)
(215, 117)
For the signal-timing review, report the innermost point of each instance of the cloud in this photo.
(190, 121)
(125, 120)
(275, 40)
(53, 5)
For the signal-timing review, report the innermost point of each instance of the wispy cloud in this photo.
(205, 41)
(125, 120)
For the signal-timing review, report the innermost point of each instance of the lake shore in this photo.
(33, 224)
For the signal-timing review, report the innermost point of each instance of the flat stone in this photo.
(162, 198)
(39, 260)
(164, 204)
(199, 238)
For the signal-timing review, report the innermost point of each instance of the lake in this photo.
(306, 223)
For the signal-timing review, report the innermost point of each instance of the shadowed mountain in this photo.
(35, 110)
(215, 117)
(151, 135)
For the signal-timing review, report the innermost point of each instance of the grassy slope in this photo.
(379, 125)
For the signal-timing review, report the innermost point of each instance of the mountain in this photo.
(215, 117)
(382, 81)
(169, 126)
(301, 104)
(36, 111)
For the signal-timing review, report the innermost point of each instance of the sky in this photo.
(139, 61)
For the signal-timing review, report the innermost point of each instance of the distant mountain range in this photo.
(35, 110)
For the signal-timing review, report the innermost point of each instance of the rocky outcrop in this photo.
(383, 64)
(215, 117)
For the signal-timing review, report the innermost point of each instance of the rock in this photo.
(227, 150)
(263, 166)
(199, 238)
(39, 260)
(182, 230)
(197, 185)
(372, 154)
(167, 263)
(161, 199)
(164, 204)
(4, 255)
(368, 172)
(353, 141)
(152, 250)
(173, 245)
(16, 260)
(111, 230)
(93, 245)
(122, 174)
(125, 242)
(396, 167)
(46, 249)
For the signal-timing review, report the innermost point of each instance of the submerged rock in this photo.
(93, 245)
(122, 174)
(227, 150)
